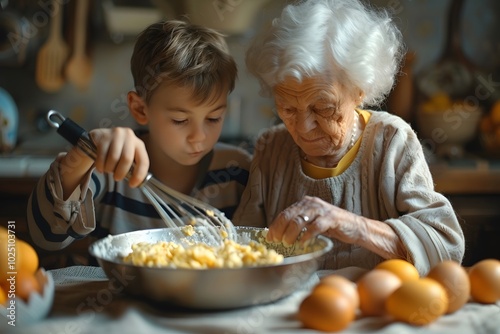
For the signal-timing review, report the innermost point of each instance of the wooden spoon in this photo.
(79, 67)
(453, 74)
(52, 55)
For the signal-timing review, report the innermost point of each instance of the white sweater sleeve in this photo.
(401, 184)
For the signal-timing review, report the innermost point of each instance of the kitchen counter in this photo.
(24, 166)
(466, 176)
(85, 301)
(32, 157)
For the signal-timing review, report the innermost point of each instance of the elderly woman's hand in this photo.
(314, 216)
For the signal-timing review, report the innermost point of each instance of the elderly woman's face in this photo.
(319, 115)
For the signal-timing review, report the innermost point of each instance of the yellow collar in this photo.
(317, 172)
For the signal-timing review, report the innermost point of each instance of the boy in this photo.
(183, 75)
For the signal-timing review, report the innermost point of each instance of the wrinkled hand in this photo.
(314, 216)
(117, 150)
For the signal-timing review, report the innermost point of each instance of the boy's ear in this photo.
(138, 108)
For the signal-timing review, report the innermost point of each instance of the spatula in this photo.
(52, 55)
(79, 67)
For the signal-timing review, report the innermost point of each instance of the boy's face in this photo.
(182, 128)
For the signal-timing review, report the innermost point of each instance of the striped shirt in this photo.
(102, 206)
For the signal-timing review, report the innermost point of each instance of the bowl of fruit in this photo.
(445, 125)
(26, 290)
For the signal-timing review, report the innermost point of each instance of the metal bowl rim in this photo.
(287, 260)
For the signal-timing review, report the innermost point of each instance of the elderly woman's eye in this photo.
(286, 111)
(324, 111)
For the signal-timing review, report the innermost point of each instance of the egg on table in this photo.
(343, 285)
(418, 302)
(402, 268)
(326, 309)
(455, 280)
(485, 281)
(374, 288)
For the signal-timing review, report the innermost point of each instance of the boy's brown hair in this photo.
(182, 54)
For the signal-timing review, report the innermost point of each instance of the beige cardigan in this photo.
(389, 180)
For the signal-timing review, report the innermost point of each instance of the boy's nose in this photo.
(197, 133)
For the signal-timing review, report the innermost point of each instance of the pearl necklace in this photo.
(354, 131)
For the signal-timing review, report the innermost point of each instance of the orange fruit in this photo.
(418, 302)
(28, 257)
(26, 284)
(439, 102)
(17, 255)
(495, 113)
(326, 309)
(403, 269)
(3, 296)
(485, 281)
(486, 125)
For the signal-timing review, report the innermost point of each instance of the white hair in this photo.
(341, 40)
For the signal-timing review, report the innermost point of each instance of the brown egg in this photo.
(327, 310)
(342, 284)
(484, 279)
(418, 302)
(455, 280)
(374, 288)
(403, 269)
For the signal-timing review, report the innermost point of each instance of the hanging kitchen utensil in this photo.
(79, 67)
(53, 54)
(453, 73)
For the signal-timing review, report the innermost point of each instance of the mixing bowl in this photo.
(209, 289)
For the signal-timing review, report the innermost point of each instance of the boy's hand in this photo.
(118, 149)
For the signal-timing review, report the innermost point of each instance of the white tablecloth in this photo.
(84, 302)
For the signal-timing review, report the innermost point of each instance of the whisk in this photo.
(175, 208)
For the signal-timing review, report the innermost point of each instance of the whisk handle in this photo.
(72, 132)
(79, 137)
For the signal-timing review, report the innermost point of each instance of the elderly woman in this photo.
(333, 168)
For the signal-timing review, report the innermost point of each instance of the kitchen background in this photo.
(448, 89)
